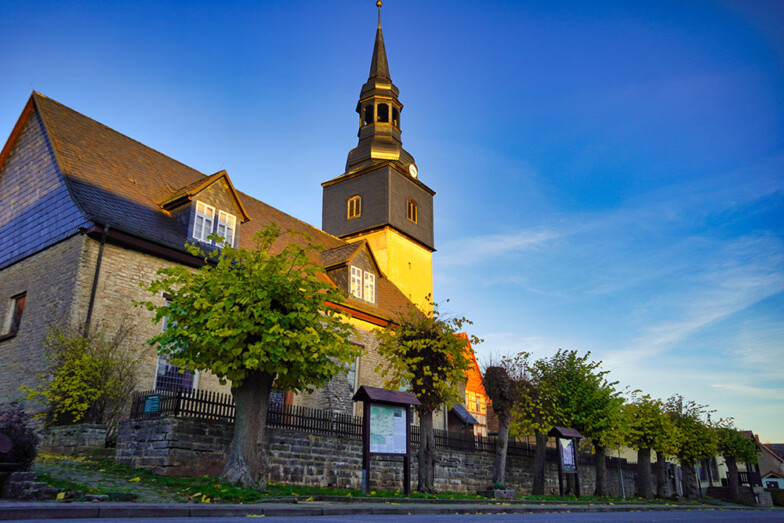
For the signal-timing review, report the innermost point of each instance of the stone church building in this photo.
(88, 214)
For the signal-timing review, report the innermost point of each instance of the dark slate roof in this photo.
(563, 432)
(377, 394)
(340, 254)
(464, 416)
(122, 183)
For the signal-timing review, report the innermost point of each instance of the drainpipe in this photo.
(620, 473)
(95, 281)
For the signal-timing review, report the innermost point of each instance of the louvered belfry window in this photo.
(354, 207)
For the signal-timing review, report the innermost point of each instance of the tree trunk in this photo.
(499, 471)
(426, 455)
(600, 464)
(733, 484)
(662, 490)
(245, 465)
(540, 459)
(643, 479)
(689, 480)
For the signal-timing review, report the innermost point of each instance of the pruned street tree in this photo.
(697, 440)
(534, 411)
(426, 355)
(254, 318)
(648, 428)
(502, 384)
(734, 446)
(583, 399)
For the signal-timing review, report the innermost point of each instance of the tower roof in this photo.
(379, 65)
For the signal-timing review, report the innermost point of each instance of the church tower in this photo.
(380, 198)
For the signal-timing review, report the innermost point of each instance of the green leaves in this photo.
(263, 310)
(426, 355)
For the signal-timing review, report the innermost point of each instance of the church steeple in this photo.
(379, 114)
(379, 198)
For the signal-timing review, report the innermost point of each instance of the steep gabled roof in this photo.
(122, 183)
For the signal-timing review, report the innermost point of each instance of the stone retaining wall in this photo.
(84, 439)
(189, 447)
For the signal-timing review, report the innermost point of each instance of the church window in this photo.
(203, 222)
(354, 207)
(383, 113)
(368, 115)
(172, 377)
(226, 226)
(14, 318)
(356, 282)
(395, 117)
(370, 287)
(411, 210)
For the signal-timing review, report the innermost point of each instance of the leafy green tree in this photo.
(253, 317)
(534, 411)
(425, 354)
(697, 440)
(734, 446)
(89, 375)
(647, 428)
(584, 400)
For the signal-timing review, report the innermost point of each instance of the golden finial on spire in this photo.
(378, 4)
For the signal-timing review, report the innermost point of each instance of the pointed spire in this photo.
(379, 65)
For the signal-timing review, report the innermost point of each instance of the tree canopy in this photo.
(253, 311)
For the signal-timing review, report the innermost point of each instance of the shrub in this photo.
(15, 423)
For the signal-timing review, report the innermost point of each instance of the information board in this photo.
(568, 455)
(387, 429)
(152, 403)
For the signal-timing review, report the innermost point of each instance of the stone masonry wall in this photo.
(181, 446)
(49, 278)
(73, 440)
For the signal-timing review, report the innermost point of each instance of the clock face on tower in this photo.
(412, 170)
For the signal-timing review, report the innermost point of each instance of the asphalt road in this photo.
(641, 517)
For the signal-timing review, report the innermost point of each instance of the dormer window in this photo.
(356, 282)
(363, 284)
(411, 210)
(354, 209)
(370, 287)
(226, 225)
(203, 222)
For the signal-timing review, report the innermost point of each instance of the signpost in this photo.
(567, 441)
(152, 404)
(386, 429)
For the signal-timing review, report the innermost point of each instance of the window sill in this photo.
(8, 336)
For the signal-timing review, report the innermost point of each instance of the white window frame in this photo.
(227, 222)
(205, 213)
(356, 282)
(369, 287)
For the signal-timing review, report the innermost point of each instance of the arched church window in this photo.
(383, 113)
(411, 210)
(354, 208)
(395, 117)
(368, 115)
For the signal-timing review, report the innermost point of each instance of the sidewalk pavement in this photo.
(16, 510)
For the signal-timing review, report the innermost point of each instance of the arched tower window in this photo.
(354, 207)
(411, 210)
(383, 113)
(368, 113)
(395, 116)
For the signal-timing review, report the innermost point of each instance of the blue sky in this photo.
(609, 175)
